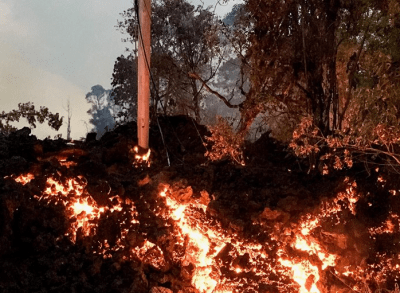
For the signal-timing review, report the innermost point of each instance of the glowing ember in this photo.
(82, 207)
(67, 164)
(84, 213)
(141, 159)
(305, 274)
(24, 178)
(200, 247)
(291, 258)
(204, 244)
(202, 280)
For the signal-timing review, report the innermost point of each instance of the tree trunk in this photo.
(69, 121)
(322, 80)
(196, 102)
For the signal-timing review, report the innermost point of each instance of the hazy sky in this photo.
(55, 50)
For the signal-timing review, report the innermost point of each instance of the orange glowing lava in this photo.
(205, 242)
(199, 244)
(141, 159)
(292, 259)
(303, 272)
(24, 178)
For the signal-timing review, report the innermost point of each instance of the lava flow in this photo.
(299, 256)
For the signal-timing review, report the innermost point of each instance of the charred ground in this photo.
(271, 193)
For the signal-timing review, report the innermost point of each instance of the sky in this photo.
(55, 51)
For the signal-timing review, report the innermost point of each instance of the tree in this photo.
(69, 120)
(124, 87)
(102, 109)
(184, 40)
(290, 61)
(288, 54)
(295, 45)
(368, 89)
(231, 18)
(242, 95)
(28, 111)
(368, 69)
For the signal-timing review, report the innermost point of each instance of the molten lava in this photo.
(139, 158)
(293, 259)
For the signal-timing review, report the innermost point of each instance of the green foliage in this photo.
(124, 87)
(184, 39)
(369, 83)
(376, 102)
(28, 111)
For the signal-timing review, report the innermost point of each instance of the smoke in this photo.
(22, 82)
(9, 26)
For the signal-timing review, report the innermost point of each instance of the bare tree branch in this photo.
(222, 98)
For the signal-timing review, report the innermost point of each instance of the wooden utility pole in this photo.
(144, 73)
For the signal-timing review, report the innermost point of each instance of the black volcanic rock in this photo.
(269, 196)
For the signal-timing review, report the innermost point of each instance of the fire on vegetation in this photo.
(177, 239)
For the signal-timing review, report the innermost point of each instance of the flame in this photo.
(141, 159)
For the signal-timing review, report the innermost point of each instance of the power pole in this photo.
(144, 73)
